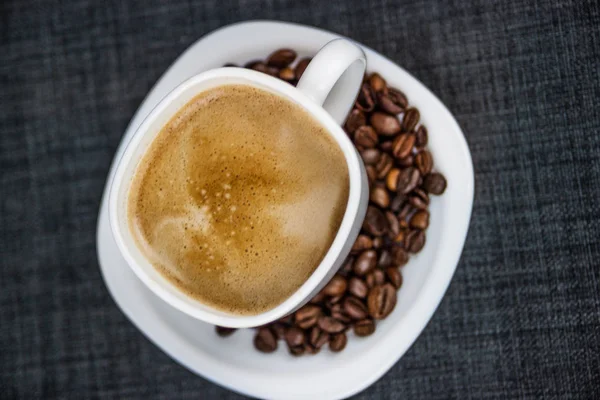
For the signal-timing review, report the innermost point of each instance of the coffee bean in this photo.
(366, 137)
(371, 173)
(330, 302)
(355, 308)
(415, 240)
(366, 98)
(434, 183)
(394, 225)
(394, 276)
(408, 180)
(294, 337)
(338, 342)
(400, 237)
(364, 328)
(287, 319)
(281, 58)
(330, 324)
(424, 161)
(379, 196)
(307, 316)
(375, 277)
(411, 119)
(419, 199)
(318, 298)
(399, 256)
(365, 262)
(363, 242)
(223, 331)
(377, 82)
(337, 312)
(384, 165)
(347, 266)
(378, 243)
(336, 286)
(420, 220)
(386, 146)
(265, 340)
(301, 67)
(385, 124)
(370, 156)
(385, 259)
(402, 145)
(296, 351)
(287, 74)
(308, 349)
(406, 161)
(358, 287)
(391, 180)
(278, 329)
(381, 300)
(318, 337)
(375, 222)
(387, 104)
(355, 120)
(422, 137)
(398, 200)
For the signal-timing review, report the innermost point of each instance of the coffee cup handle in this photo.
(334, 76)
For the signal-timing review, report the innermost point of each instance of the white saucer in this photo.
(233, 362)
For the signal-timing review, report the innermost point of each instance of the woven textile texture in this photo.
(521, 318)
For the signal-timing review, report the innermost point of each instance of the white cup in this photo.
(327, 91)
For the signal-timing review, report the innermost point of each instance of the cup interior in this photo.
(147, 132)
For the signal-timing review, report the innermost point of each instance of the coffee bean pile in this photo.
(386, 131)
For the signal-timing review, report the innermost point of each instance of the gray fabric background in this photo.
(521, 318)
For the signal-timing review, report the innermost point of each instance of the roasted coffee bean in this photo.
(262, 67)
(424, 161)
(400, 237)
(318, 299)
(375, 222)
(364, 328)
(365, 262)
(375, 277)
(336, 286)
(330, 324)
(355, 120)
(391, 180)
(398, 200)
(347, 266)
(337, 312)
(385, 124)
(287, 319)
(406, 161)
(371, 173)
(338, 342)
(332, 301)
(404, 211)
(384, 165)
(377, 243)
(410, 120)
(224, 331)
(366, 137)
(296, 351)
(307, 316)
(294, 336)
(420, 220)
(399, 256)
(281, 58)
(387, 104)
(379, 196)
(381, 300)
(408, 180)
(278, 329)
(377, 83)
(385, 259)
(422, 137)
(386, 146)
(363, 242)
(318, 337)
(308, 349)
(287, 74)
(301, 67)
(434, 183)
(417, 241)
(419, 199)
(265, 340)
(402, 145)
(366, 98)
(355, 308)
(394, 225)
(358, 287)
(370, 156)
(394, 276)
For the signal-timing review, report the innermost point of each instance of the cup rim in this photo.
(339, 247)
